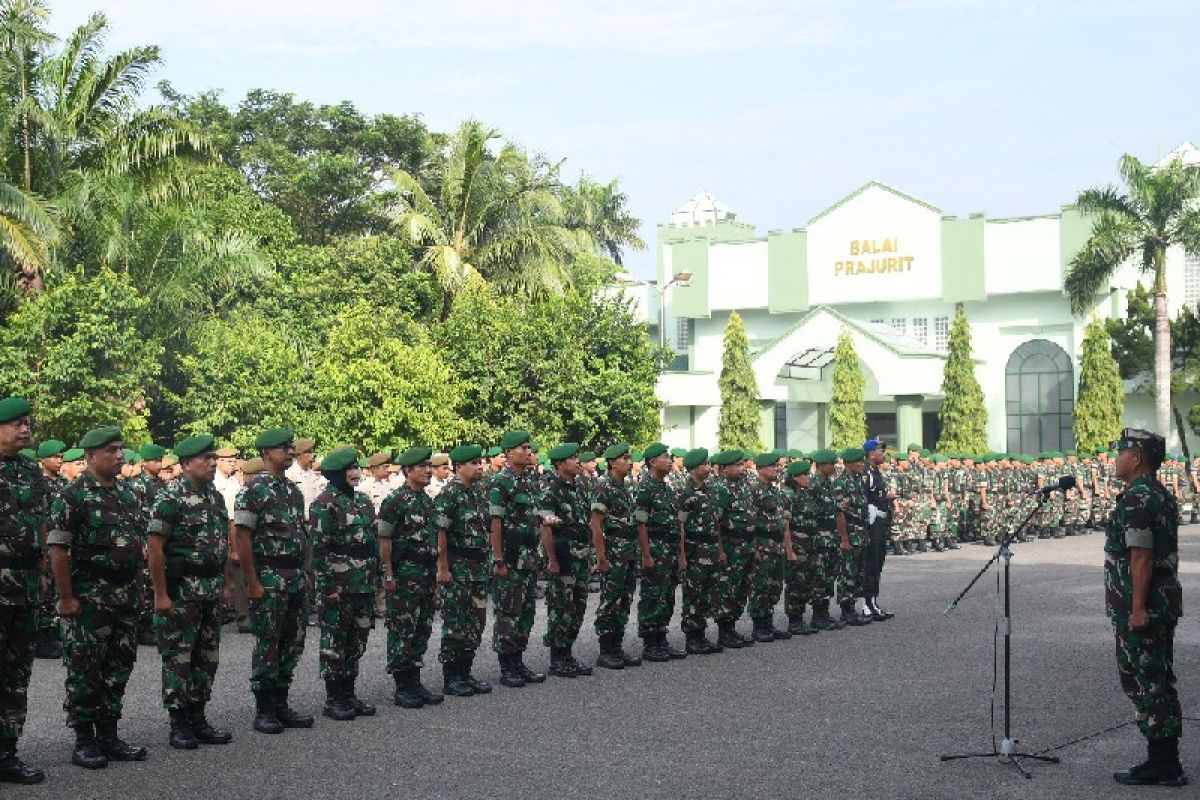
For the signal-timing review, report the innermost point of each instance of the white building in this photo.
(889, 268)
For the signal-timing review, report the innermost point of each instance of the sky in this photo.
(778, 107)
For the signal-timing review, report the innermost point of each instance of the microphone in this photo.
(1065, 483)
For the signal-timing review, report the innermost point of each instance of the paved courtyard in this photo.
(859, 713)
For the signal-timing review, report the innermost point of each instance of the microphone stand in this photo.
(1008, 753)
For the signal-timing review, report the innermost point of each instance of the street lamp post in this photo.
(681, 278)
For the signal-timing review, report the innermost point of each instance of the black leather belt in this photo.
(189, 569)
(279, 562)
(354, 550)
(22, 561)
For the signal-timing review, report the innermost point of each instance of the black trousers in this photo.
(877, 536)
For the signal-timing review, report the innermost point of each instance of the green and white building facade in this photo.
(890, 269)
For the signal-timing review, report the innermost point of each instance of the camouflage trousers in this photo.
(17, 625)
(991, 522)
(345, 626)
(616, 597)
(1101, 509)
(146, 622)
(770, 570)
(278, 622)
(566, 602)
(1078, 510)
(47, 615)
(941, 521)
(409, 621)
(513, 598)
(850, 579)
(1146, 665)
(1051, 515)
(701, 588)
(189, 641)
(464, 611)
(737, 579)
(656, 605)
(902, 522)
(800, 588)
(827, 560)
(99, 650)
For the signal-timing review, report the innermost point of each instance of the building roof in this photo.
(1187, 153)
(700, 209)
(874, 184)
(885, 335)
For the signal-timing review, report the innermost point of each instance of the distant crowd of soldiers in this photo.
(165, 546)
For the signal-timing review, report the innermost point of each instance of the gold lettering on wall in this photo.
(886, 260)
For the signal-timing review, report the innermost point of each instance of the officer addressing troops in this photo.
(190, 569)
(615, 539)
(1144, 600)
(23, 506)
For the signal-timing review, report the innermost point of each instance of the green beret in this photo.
(794, 453)
(616, 451)
(766, 459)
(466, 452)
(337, 460)
(938, 458)
(151, 451)
(195, 445)
(636, 455)
(28, 452)
(654, 451)
(695, 458)
(13, 408)
(74, 454)
(586, 456)
(50, 448)
(924, 453)
(725, 458)
(823, 456)
(514, 439)
(779, 453)
(274, 437)
(98, 437)
(852, 454)
(800, 467)
(563, 451)
(414, 455)
(679, 452)
(494, 451)
(913, 448)
(131, 456)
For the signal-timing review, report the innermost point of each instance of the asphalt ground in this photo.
(861, 713)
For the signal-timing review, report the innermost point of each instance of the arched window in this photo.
(1039, 392)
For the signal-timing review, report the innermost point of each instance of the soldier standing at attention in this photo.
(189, 566)
(800, 589)
(345, 574)
(772, 546)
(462, 551)
(701, 558)
(23, 505)
(1144, 600)
(566, 539)
(407, 546)
(851, 492)
(736, 510)
(95, 538)
(615, 537)
(145, 486)
(656, 509)
(879, 528)
(49, 454)
(514, 541)
(272, 540)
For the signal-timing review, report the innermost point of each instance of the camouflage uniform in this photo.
(615, 501)
(656, 505)
(193, 524)
(771, 514)
(514, 498)
(736, 506)
(145, 488)
(47, 614)
(345, 559)
(102, 526)
(702, 577)
(1145, 516)
(850, 579)
(566, 592)
(272, 509)
(826, 545)
(801, 588)
(409, 519)
(463, 513)
(23, 499)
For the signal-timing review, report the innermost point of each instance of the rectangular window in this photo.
(1191, 280)
(683, 333)
(781, 425)
(876, 322)
(941, 333)
(900, 324)
(920, 330)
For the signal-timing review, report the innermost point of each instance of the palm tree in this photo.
(1160, 209)
(496, 217)
(602, 210)
(23, 41)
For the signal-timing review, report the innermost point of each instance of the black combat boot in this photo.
(762, 631)
(1161, 767)
(205, 733)
(910, 547)
(630, 659)
(13, 769)
(610, 654)
(780, 634)
(48, 646)
(673, 652)
(288, 716)
(936, 543)
(265, 720)
(430, 698)
(878, 612)
(727, 636)
(582, 670)
(181, 737)
(951, 543)
(528, 674)
(361, 707)
(406, 696)
(113, 746)
(922, 546)
(798, 627)
(87, 752)
(695, 643)
(559, 666)
(510, 671)
(852, 617)
(655, 648)
(453, 684)
(898, 548)
(480, 687)
(337, 705)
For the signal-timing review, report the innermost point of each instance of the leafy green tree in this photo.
(1160, 209)
(601, 210)
(737, 427)
(963, 415)
(847, 412)
(1101, 399)
(75, 352)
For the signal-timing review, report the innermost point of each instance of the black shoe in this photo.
(910, 548)
(430, 698)
(582, 670)
(510, 671)
(405, 694)
(853, 618)
(480, 687)
(528, 674)
(610, 654)
(695, 643)
(1149, 773)
(361, 707)
(674, 652)
(559, 666)
(265, 720)
(454, 684)
(181, 737)
(780, 634)
(762, 631)
(629, 658)
(87, 752)
(798, 627)
(654, 649)
(922, 546)
(952, 544)
(727, 637)
(936, 545)
(289, 717)
(337, 705)
(48, 648)
(114, 747)
(206, 733)
(13, 769)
